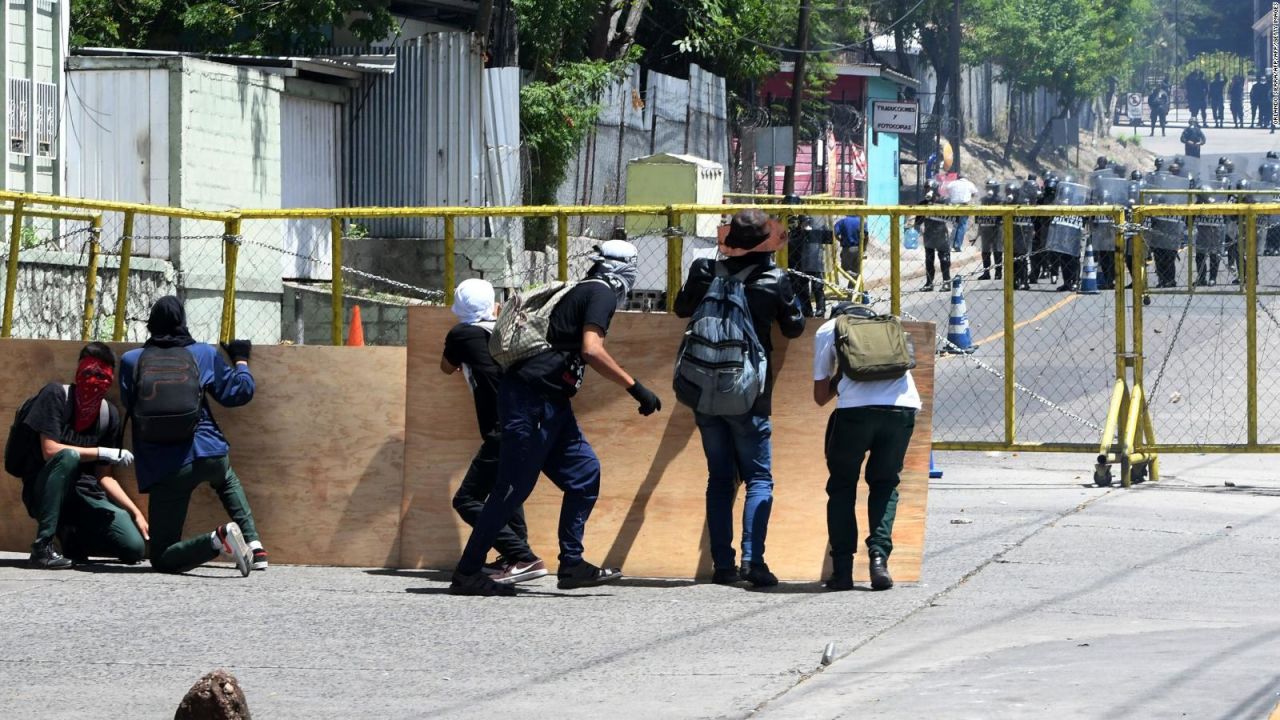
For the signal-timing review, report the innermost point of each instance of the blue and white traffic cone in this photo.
(935, 472)
(1089, 280)
(959, 339)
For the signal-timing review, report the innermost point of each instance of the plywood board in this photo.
(650, 517)
(320, 450)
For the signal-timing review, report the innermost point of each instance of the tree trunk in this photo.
(1013, 127)
(626, 37)
(934, 50)
(605, 28)
(608, 40)
(1047, 130)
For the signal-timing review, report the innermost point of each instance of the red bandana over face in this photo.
(93, 380)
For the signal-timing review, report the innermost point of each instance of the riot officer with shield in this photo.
(1024, 193)
(1268, 228)
(1042, 263)
(1167, 235)
(1209, 240)
(1064, 236)
(1107, 189)
(937, 243)
(990, 232)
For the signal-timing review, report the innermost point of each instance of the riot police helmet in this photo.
(1136, 175)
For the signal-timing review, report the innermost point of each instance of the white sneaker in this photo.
(234, 546)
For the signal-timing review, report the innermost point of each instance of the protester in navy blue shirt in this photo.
(171, 472)
(849, 235)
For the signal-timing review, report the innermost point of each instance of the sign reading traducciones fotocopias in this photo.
(895, 117)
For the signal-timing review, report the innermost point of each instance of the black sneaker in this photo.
(479, 585)
(726, 576)
(584, 574)
(927, 287)
(880, 577)
(44, 556)
(758, 575)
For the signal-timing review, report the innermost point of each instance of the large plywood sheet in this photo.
(320, 449)
(650, 517)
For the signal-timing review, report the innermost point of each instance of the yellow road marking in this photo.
(1275, 713)
(1044, 314)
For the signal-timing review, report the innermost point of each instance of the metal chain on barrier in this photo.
(344, 269)
(940, 336)
(1177, 331)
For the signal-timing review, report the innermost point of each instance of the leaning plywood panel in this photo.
(320, 450)
(650, 517)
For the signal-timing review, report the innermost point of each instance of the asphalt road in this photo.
(1042, 596)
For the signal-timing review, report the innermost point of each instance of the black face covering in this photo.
(168, 324)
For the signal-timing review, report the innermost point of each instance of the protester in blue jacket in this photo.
(171, 472)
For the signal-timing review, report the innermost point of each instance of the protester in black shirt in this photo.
(540, 433)
(466, 349)
(64, 443)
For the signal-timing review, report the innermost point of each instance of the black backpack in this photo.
(167, 396)
(18, 449)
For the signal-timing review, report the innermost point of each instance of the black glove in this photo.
(238, 350)
(649, 403)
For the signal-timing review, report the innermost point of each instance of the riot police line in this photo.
(1051, 249)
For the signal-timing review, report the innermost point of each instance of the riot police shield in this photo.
(1269, 171)
(1209, 236)
(1065, 234)
(1167, 233)
(1107, 190)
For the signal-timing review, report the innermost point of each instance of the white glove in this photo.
(120, 457)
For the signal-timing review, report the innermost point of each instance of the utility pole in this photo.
(957, 114)
(797, 96)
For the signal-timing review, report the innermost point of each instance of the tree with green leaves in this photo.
(271, 27)
(1069, 47)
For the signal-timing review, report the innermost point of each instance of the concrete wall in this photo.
(228, 145)
(383, 322)
(49, 300)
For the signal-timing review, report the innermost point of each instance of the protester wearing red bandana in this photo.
(64, 445)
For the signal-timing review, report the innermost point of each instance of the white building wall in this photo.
(311, 163)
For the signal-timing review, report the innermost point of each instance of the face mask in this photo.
(93, 380)
(620, 274)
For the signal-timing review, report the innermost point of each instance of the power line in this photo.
(836, 48)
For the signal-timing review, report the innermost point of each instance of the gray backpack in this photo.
(521, 329)
(721, 367)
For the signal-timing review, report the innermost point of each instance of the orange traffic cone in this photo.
(355, 335)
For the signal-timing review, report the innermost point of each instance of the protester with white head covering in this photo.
(540, 433)
(473, 302)
(466, 348)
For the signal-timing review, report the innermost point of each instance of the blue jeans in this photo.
(957, 239)
(737, 447)
(539, 435)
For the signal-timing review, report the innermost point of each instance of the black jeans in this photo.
(812, 296)
(539, 435)
(944, 261)
(1070, 266)
(1106, 260)
(1210, 262)
(999, 258)
(1166, 266)
(880, 435)
(512, 542)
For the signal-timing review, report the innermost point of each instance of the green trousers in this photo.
(87, 525)
(167, 512)
(880, 435)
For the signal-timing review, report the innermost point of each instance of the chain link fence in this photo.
(1192, 355)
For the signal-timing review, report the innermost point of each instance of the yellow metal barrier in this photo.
(1128, 435)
